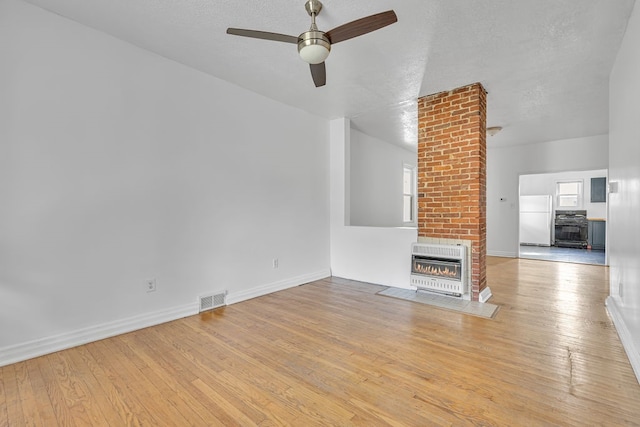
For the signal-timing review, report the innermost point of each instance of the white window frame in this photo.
(409, 218)
(563, 199)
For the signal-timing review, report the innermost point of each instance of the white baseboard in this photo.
(40, 347)
(502, 254)
(28, 350)
(485, 294)
(258, 291)
(633, 352)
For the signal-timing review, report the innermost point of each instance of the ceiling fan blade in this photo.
(361, 26)
(319, 74)
(263, 35)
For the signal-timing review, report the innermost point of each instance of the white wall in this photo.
(624, 204)
(117, 165)
(376, 181)
(371, 254)
(506, 164)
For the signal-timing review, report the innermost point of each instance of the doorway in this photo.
(544, 197)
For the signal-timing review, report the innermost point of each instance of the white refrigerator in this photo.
(535, 220)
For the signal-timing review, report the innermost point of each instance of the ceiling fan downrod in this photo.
(313, 8)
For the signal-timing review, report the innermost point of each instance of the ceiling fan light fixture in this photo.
(313, 47)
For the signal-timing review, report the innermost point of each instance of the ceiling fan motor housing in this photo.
(313, 46)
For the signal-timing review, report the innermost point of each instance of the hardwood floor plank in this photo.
(12, 402)
(174, 385)
(82, 397)
(249, 372)
(123, 391)
(87, 368)
(26, 395)
(4, 416)
(332, 352)
(34, 396)
(47, 367)
(154, 390)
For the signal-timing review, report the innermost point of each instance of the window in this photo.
(569, 194)
(408, 193)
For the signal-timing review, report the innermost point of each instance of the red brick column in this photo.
(452, 172)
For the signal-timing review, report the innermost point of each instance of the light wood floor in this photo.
(334, 353)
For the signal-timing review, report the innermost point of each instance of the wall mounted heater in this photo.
(209, 302)
(439, 268)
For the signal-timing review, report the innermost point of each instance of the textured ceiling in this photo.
(544, 63)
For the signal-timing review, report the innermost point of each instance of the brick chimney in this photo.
(452, 174)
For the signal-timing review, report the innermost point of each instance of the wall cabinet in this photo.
(597, 234)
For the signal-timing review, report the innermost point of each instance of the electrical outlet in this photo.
(275, 263)
(151, 285)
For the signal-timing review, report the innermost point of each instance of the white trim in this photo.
(28, 350)
(485, 294)
(626, 338)
(268, 288)
(502, 254)
(413, 194)
(40, 347)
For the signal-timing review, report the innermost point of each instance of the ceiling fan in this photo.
(314, 45)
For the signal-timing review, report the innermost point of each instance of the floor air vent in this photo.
(209, 302)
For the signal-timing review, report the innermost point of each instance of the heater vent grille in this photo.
(208, 302)
(438, 250)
